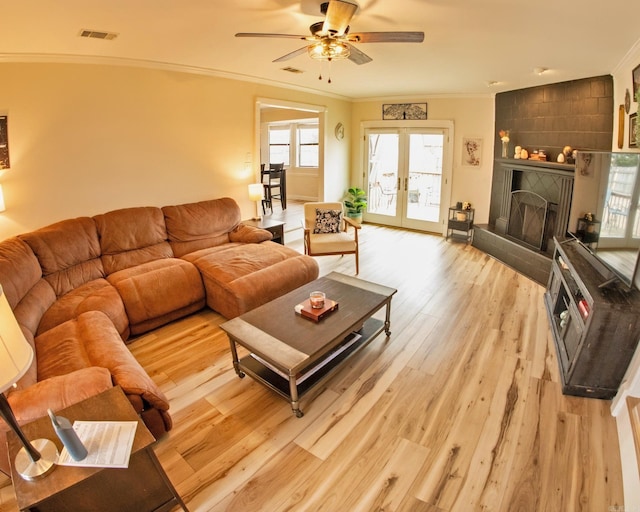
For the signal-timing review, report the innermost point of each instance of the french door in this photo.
(408, 176)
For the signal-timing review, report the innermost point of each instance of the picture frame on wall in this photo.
(404, 111)
(471, 151)
(633, 122)
(4, 144)
(636, 82)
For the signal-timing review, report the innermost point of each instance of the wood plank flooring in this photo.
(459, 410)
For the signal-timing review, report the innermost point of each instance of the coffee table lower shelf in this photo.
(292, 389)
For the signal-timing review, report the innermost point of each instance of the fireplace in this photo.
(530, 204)
(535, 203)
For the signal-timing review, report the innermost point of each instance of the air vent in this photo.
(292, 70)
(97, 34)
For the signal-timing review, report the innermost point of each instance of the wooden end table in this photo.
(143, 486)
(275, 227)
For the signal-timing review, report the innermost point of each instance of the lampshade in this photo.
(2, 208)
(256, 191)
(35, 460)
(329, 49)
(16, 354)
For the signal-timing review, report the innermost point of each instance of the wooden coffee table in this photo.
(291, 354)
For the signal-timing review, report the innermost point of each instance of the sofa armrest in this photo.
(249, 234)
(58, 392)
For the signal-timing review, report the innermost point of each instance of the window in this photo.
(307, 138)
(279, 144)
(294, 143)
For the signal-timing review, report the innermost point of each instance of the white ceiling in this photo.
(468, 43)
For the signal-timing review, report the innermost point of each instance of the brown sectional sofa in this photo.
(81, 287)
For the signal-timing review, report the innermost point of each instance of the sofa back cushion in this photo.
(68, 252)
(132, 236)
(19, 269)
(195, 226)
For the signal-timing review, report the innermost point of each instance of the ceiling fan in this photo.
(330, 39)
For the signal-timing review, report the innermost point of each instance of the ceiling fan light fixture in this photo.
(329, 49)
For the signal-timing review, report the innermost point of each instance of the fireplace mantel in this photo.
(535, 164)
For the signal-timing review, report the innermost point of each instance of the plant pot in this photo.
(357, 217)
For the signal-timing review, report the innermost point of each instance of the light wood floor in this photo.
(459, 410)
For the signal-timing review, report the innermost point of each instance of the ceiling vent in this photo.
(292, 70)
(97, 34)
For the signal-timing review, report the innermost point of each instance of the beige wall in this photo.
(86, 139)
(472, 117)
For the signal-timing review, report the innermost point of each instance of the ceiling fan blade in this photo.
(386, 37)
(357, 56)
(291, 55)
(339, 14)
(260, 34)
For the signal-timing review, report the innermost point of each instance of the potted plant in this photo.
(355, 203)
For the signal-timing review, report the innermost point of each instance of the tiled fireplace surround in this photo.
(578, 113)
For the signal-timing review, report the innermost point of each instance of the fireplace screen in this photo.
(530, 219)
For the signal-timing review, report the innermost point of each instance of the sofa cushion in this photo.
(28, 294)
(96, 295)
(91, 340)
(159, 291)
(19, 269)
(132, 236)
(240, 277)
(68, 252)
(195, 226)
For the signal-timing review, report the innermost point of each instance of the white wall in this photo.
(85, 139)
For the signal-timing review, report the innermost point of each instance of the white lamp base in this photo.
(30, 470)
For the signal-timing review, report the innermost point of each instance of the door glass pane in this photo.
(425, 176)
(383, 173)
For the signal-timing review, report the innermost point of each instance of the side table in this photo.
(143, 486)
(460, 224)
(275, 227)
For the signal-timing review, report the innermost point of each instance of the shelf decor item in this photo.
(504, 138)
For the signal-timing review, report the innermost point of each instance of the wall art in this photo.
(633, 121)
(4, 144)
(409, 111)
(471, 151)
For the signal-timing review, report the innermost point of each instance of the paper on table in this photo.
(108, 444)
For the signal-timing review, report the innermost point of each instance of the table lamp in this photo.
(256, 193)
(35, 460)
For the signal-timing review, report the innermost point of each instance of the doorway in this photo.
(407, 175)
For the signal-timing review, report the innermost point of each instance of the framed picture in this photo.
(408, 111)
(4, 144)
(471, 151)
(633, 122)
(636, 82)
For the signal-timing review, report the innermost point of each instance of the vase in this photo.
(505, 149)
